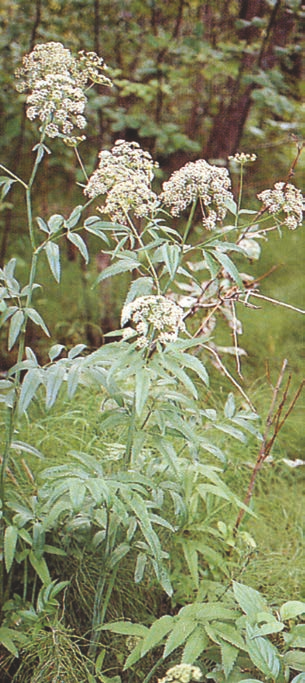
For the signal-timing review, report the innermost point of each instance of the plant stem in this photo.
(273, 418)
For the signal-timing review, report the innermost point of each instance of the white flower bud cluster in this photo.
(56, 81)
(211, 184)
(242, 158)
(182, 673)
(285, 198)
(155, 318)
(124, 175)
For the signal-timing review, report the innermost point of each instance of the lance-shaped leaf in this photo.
(53, 256)
(10, 542)
(79, 243)
(15, 328)
(121, 266)
(229, 267)
(37, 319)
(55, 377)
(30, 384)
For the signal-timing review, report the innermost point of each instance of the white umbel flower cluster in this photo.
(153, 318)
(182, 673)
(242, 158)
(55, 82)
(199, 180)
(285, 198)
(124, 176)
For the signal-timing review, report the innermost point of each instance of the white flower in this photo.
(242, 158)
(155, 318)
(124, 175)
(182, 673)
(284, 198)
(56, 81)
(199, 180)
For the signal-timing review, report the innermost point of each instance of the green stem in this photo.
(13, 175)
(240, 194)
(189, 222)
(149, 261)
(131, 428)
(153, 669)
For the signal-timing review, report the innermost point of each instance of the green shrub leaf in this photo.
(53, 256)
(10, 542)
(292, 609)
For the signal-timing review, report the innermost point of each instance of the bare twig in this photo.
(273, 418)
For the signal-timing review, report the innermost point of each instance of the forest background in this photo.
(190, 80)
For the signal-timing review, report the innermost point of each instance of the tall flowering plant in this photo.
(151, 379)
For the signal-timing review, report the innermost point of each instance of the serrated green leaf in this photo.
(121, 266)
(249, 599)
(54, 379)
(77, 492)
(41, 567)
(229, 267)
(196, 643)
(140, 567)
(10, 542)
(292, 609)
(55, 351)
(125, 628)
(179, 634)
(38, 539)
(229, 655)
(142, 388)
(76, 351)
(171, 256)
(79, 243)
(263, 654)
(37, 319)
(191, 556)
(212, 266)
(178, 372)
(134, 656)
(142, 286)
(74, 217)
(229, 409)
(193, 363)
(136, 503)
(15, 328)
(42, 225)
(30, 384)
(53, 256)
(230, 634)
(156, 633)
(6, 635)
(166, 448)
(55, 222)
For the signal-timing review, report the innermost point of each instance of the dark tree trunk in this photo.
(229, 122)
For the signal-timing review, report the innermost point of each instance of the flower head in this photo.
(55, 82)
(124, 175)
(287, 199)
(211, 184)
(155, 318)
(182, 673)
(242, 158)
